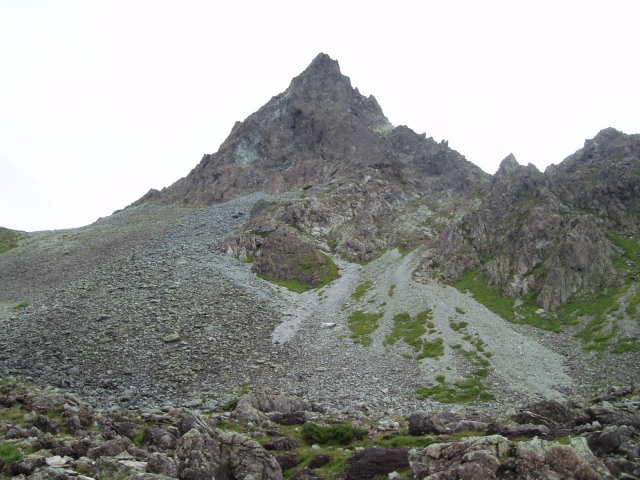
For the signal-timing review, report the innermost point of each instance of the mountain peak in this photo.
(322, 81)
(508, 165)
(318, 130)
(323, 62)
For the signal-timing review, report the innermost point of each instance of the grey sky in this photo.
(102, 100)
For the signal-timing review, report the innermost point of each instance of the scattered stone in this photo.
(171, 338)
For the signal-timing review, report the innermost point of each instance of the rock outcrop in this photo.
(598, 439)
(549, 234)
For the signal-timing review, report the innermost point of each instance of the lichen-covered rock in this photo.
(287, 460)
(163, 464)
(268, 401)
(283, 443)
(110, 448)
(296, 418)
(549, 460)
(606, 413)
(245, 411)
(47, 424)
(610, 439)
(198, 456)
(376, 461)
(471, 458)
(28, 464)
(247, 459)
(423, 423)
(157, 439)
(320, 460)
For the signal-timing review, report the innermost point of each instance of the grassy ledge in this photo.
(327, 275)
(492, 298)
(465, 391)
(10, 239)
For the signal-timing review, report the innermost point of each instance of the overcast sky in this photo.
(102, 100)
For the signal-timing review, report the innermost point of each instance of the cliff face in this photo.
(550, 234)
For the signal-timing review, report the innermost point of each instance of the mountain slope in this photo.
(551, 235)
(317, 191)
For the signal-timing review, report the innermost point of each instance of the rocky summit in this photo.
(335, 290)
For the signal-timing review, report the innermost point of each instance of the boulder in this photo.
(621, 413)
(549, 460)
(422, 423)
(473, 458)
(247, 459)
(162, 464)
(551, 411)
(287, 460)
(27, 464)
(374, 462)
(610, 439)
(304, 474)
(110, 448)
(157, 439)
(320, 460)
(198, 457)
(47, 424)
(283, 443)
(295, 418)
(268, 401)
(245, 411)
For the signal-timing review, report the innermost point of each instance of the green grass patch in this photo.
(404, 251)
(332, 271)
(362, 324)
(457, 326)
(600, 331)
(627, 345)
(598, 334)
(460, 311)
(361, 290)
(327, 274)
(293, 285)
(137, 440)
(630, 260)
(260, 233)
(392, 290)
(10, 453)
(411, 329)
(471, 389)
(592, 305)
(492, 298)
(432, 349)
(339, 434)
(10, 239)
(13, 415)
(632, 305)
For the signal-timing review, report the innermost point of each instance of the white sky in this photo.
(102, 100)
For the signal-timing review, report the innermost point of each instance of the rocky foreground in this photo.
(48, 434)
